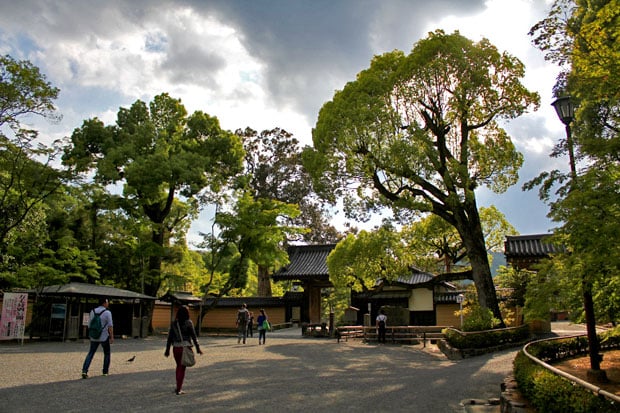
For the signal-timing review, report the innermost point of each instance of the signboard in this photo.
(59, 311)
(13, 321)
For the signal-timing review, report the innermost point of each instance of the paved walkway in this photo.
(289, 374)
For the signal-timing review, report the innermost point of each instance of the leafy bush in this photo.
(551, 393)
(485, 339)
(480, 319)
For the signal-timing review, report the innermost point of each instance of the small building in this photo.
(426, 301)
(62, 311)
(526, 251)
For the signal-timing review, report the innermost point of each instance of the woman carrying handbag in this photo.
(180, 337)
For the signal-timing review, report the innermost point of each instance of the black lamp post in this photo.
(566, 112)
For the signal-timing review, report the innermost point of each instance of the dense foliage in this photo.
(419, 133)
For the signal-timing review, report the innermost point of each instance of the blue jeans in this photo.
(105, 345)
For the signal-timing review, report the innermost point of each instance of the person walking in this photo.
(250, 324)
(242, 323)
(180, 335)
(105, 338)
(381, 324)
(262, 331)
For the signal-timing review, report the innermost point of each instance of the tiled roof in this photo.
(252, 302)
(446, 297)
(528, 246)
(182, 296)
(92, 290)
(306, 262)
(415, 277)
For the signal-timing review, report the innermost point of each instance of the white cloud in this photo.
(259, 64)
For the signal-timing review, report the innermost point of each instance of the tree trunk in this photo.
(153, 282)
(264, 282)
(470, 229)
(595, 374)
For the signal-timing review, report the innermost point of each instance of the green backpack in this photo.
(95, 326)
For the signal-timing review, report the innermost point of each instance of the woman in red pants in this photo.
(181, 334)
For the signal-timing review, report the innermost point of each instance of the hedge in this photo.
(487, 338)
(551, 393)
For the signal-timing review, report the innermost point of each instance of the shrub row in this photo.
(550, 393)
(484, 339)
(555, 350)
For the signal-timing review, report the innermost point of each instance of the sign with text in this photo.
(13, 321)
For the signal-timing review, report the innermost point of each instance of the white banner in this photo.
(13, 321)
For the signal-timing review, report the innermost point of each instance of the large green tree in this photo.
(159, 154)
(582, 37)
(27, 177)
(275, 173)
(420, 133)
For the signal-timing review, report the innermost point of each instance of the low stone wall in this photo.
(458, 354)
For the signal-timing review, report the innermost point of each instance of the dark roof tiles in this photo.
(306, 262)
(529, 246)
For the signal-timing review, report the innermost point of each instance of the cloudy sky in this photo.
(266, 64)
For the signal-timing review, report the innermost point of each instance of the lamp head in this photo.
(564, 108)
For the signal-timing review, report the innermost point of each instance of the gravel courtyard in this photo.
(289, 374)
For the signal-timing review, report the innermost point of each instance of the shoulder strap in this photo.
(179, 330)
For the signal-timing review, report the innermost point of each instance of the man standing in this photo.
(242, 323)
(381, 324)
(105, 338)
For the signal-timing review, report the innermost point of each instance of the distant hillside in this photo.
(498, 259)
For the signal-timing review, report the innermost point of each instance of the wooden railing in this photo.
(393, 334)
(591, 387)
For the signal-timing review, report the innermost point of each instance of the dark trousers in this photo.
(261, 335)
(381, 331)
(177, 352)
(105, 345)
(242, 332)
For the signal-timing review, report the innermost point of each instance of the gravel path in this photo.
(289, 374)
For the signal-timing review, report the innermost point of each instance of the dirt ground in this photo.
(578, 367)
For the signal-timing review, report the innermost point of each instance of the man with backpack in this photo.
(100, 331)
(242, 323)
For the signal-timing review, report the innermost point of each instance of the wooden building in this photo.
(426, 301)
(526, 251)
(307, 266)
(221, 313)
(61, 311)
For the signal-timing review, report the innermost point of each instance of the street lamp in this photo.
(566, 112)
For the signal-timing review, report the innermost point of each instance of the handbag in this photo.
(266, 325)
(187, 359)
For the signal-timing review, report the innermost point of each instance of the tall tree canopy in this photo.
(275, 175)
(158, 153)
(582, 37)
(27, 176)
(420, 132)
